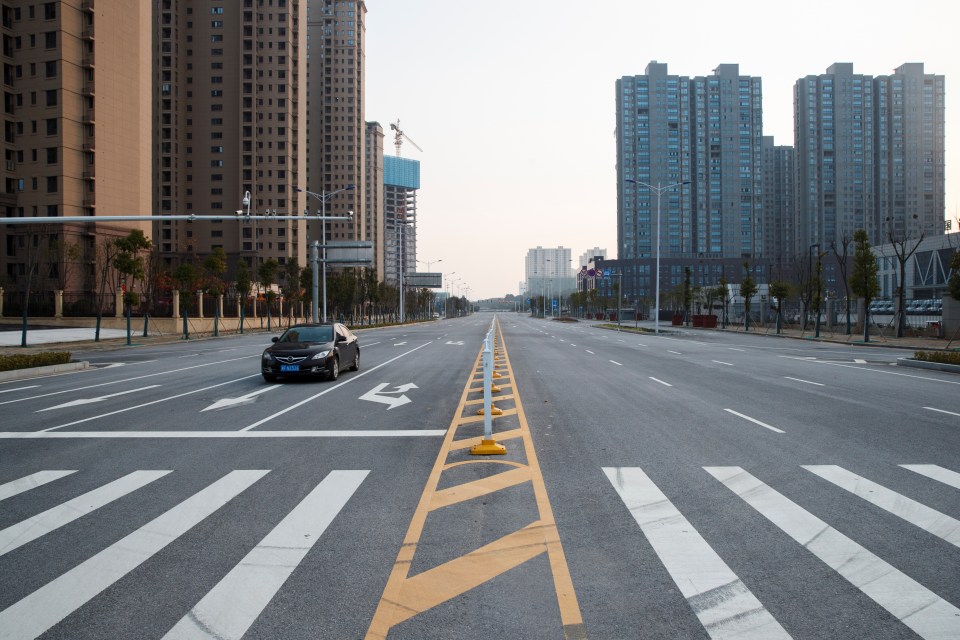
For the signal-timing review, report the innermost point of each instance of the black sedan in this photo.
(311, 350)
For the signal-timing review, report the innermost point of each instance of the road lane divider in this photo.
(459, 480)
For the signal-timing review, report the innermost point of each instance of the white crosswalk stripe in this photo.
(934, 472)
(51, 603)
(724, 605)
(923, 611)
(32, 481)
(17, 535)
(229, 609)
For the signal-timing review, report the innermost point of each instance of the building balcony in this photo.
(89, 147)
(89, 117)
(86, 5)
(89, 174)
(88, 32)
(89, 202)
(88, 89)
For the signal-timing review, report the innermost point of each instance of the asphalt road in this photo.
(688, 485)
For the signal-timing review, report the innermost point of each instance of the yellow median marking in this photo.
(405, 597)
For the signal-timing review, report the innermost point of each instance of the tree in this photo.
(214, 266)
(903, 250)
(267, 274)
(863, 277)
(748, 289)
(687, 294)
(840, 252)
(953, 284)
(778, 291)
(292, 290)
(723, 293)
(129, 263)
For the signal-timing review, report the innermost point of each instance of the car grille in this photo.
(291, 359)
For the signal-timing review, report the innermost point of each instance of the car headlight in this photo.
(321, 355)
(268, 357)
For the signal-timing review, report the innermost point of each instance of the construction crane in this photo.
(400, 135)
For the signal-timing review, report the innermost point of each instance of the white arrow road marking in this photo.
(459, 343)
(374, 395)
(232, 402)
(81, 401)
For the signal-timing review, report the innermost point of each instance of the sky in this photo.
(513, 103)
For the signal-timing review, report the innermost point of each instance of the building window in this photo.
(49, 10)
(51, 184)
(217, 11)
(51, 126)
(50, 67)
(51, 155)
(51, 97)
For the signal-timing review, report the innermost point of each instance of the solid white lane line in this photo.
(56, 435)
(590, 352)
(352, 378)
(949, 413)
(723, 604)
(17, 535)
(930, 520)
(666, 384)
(228, 610)
(754, 421)
(875, 370)
(819, 384)
(33, 386)
(923, 611)
(723, 363)
(735, 349)
(32, 481)
(147, 404)
(674, 352)
(616, 363)
(148, 375)
(932, 471)
(54, 601)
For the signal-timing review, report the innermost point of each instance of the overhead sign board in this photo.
(426, 279)
(350, 254)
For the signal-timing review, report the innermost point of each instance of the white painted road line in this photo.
(51, 603)
(352, 378)
(616, 363)
(31, 481)
(723, 363)
(674, 352)
(923, 611)
(666, 384)
(949, 413)
(590, 352)
(33, 386)
(819, 384)
(360, 433)
(735, 349)
(930, 520)
(932, 471)
(724, 605)
(25, 531)
(228, 610)
(754, 421)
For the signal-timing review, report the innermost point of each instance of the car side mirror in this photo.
(341, 338)
(275, 339)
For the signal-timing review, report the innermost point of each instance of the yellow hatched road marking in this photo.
(404, 597)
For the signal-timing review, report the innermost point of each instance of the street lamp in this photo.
(659, 190)
(429, 262)
(256, 251)
(323, 196)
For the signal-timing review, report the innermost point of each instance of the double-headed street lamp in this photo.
(659, 190)
(323, 196)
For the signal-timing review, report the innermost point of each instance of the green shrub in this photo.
(30, 360)
(943, 357)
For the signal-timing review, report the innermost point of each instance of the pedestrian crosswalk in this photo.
(726, 605)
(229, 609)
(731, 610)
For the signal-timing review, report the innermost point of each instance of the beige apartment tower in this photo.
(336, 126)
(77, 113)
(230, 77)
(374, 195)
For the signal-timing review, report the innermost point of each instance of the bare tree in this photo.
(905, 244)
(840, 253)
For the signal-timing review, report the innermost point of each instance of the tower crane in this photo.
(400, 135)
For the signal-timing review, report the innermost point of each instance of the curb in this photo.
(49, 370)
(933, 366)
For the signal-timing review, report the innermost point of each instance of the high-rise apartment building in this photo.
(587, 256)
(373, 195)
(779, 204)
(230, 121)
(336, 128)
(77, 109)
(548, 271)
(401, 180)
(696, 141)
(870, 155)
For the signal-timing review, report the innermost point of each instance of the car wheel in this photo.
(356, 361)
(269, 377)
(335, 369)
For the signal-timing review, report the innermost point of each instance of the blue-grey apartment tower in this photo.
(704, 135)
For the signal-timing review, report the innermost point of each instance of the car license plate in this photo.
(289, 367)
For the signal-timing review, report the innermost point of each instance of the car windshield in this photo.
(307, 334)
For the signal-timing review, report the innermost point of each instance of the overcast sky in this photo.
(513, 102)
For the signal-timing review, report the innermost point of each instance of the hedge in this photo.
(30, 360)
(943, 357)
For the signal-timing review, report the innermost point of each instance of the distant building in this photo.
(590, 254)
(779, 205)
(927, 270)
(373, 195)
(401, 180)
(548, 272)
